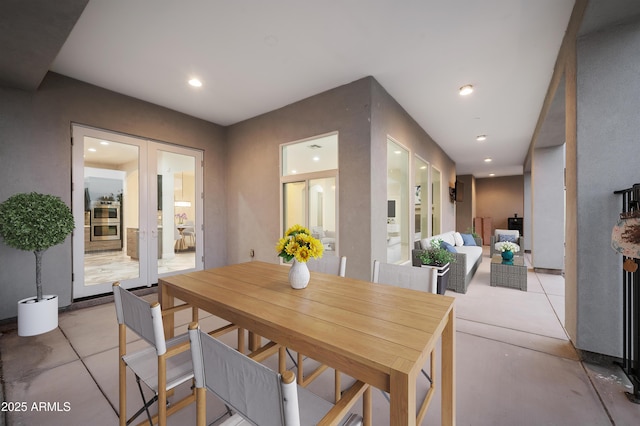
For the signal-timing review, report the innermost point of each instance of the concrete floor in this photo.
(515, 366)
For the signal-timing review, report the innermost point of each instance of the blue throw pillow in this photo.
(468, 240)
(448, 247)
(504, 238)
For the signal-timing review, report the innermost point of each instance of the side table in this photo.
(512, 276)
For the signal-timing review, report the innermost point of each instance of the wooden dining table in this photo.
(379, 334)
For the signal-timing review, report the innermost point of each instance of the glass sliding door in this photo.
(106, 202)
(322, 212)
(436, 206)
(421, 199)
(178, 215)
(312, 203)
(398, 243)
(295, 204)
(122, 198)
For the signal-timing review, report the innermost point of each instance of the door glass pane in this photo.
(421, 199)
(175, 230)
(294, 204)
(397, 203)
(111, 211)
(322, 212)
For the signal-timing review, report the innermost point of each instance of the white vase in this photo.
(299, 275)
(37, 316)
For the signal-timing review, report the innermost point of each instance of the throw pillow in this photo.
(448, 247)
(504, 238)
(458, 238)
(468, 240)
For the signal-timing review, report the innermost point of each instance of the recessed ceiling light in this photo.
(104, 143)
(466, 90)
(316, 158)
(92, 150)
(481, 138)
(492, 174)
(293, 172)
(488, 160)
(195, 82)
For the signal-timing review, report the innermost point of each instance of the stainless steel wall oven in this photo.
(105, 221)
(105, 210)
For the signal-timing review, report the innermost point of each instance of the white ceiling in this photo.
(257, 56)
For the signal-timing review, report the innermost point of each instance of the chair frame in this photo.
(163, 352)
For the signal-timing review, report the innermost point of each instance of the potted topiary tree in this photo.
(439, 258)
(34, 222)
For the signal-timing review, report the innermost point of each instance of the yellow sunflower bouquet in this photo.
(298, 244)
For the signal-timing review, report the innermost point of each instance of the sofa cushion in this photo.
(458, 239)
(468, 240)
(447, 237)
(473, 254)
(448, 247)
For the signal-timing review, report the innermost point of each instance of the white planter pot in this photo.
(37, 317)
(443, 277)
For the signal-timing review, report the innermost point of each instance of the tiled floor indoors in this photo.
(515, 366)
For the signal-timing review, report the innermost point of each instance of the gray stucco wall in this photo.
(466, 209)
(547, 177)
(253, 175)
(528, 210)
(35, 155)
(607, 160)
(242, 185)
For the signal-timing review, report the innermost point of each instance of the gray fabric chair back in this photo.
(329, 265)
(407, 276)
(250, 388)
(140, 316)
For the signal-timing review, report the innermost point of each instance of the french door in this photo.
(312, 202)
(137, 205)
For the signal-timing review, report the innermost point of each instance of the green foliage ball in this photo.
(34, 222)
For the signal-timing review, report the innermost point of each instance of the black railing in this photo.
(631, 304)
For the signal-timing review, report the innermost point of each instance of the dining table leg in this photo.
(367, 407)
(449, 371)
(402, 393)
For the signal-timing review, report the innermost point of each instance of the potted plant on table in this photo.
(439, 258)
(34, 222)
(508, 248)
(298, 245)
